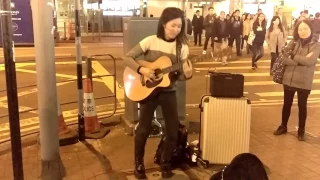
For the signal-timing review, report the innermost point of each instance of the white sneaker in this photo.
(204, 52)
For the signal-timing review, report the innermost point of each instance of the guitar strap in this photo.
(178, 51)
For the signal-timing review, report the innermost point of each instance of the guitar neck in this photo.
(178, 65)
(172, 68)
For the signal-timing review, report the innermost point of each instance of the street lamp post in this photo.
(42, 13)
(11, 83)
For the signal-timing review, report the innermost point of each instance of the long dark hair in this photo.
(296, 36)
(167, 15)
(243, 167)
(247, 17)
(264, 22)
(236, 18)
(280, 24)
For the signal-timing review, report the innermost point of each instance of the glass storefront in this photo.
(108, 14)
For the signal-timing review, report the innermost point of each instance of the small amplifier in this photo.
(226, 85)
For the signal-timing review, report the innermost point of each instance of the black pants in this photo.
(302, 104)
(274, 57)
(257, 53)
(168, 103)
(242, 42)
(197, 35)
(208, 36)
(236, 38)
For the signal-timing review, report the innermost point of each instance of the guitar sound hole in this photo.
(157, 80)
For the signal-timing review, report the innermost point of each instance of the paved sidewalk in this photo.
(111, 158)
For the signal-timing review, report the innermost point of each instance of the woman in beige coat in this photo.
(246, 31)
(276, 38)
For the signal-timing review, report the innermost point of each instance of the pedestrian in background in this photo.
(208, 26)
(243, 18)
(316, 26)
(259, 29)
(197, 23)
(221, 37)
(246, 31)
(228, 17)
(276, 38)
(283, 19)
(235, 32)
(299, 74)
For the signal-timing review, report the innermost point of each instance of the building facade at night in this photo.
(108, 14)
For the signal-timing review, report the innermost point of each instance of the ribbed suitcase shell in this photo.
(225, 128)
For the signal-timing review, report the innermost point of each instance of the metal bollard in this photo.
(89, 69)
(65, 30)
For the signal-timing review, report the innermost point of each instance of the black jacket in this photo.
(221, 29)
(236, 27)
(316, 26)
(189, 27)
(208, 26)
(260, 35)
(197, 23)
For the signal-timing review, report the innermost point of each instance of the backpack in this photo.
(244, 166)
(181, 152)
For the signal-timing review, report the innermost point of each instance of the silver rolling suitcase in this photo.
(225, 128)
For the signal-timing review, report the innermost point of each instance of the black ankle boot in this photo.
(281, 130)
(139, 171)
(301, 134)
(166, 169)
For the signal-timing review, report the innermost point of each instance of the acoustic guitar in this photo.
(138, 87)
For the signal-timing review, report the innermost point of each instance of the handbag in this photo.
(251, 38)
(279, 68)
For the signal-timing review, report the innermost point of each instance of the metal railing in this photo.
(102, 57)
(89, 60)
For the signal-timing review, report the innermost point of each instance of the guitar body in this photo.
(138, 88)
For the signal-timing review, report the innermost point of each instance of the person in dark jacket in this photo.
(221, 34)
(260, 29)
(299, 74)
(208, 26)
(235, 31)
(316, 26)
(197, 23)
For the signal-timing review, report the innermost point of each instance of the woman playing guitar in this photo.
(169, 40)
